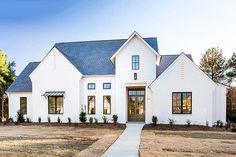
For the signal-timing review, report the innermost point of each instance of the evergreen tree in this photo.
(231, 65)
(213, 64)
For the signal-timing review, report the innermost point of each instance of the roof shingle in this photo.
(23, 82)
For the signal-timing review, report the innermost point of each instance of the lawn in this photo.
(187, 143)
(49, 140)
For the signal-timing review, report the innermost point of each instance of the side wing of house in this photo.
(55, 88)
(184, 92)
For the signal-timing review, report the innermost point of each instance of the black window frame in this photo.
(105, 84)
(94, 104)
(21, 99)
(88, 86)
(181, 99)
(135, 64)
(103, 104)
(55, 109)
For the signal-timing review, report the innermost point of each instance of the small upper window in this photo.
(135, 62)
(23, 105)
(106, 85)
(91, 86)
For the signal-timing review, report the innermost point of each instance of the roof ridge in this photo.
(99, 40)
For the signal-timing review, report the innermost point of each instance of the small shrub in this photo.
(58, 120)
(95, 120)
(49, 119)
(217, 123)
(90, 120)
(154, 120)
(82, 117)
(105, 120)
(207, 124)
(227, 125)
(39, 119)
(10, 120)
(188, 122)
(221, 124)
(233, 128)
(20, 117)
(28, 120)
(69, 120)
(171, 122)
(16, 122)
(115, 119)
(0, 118)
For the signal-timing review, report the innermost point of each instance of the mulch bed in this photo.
(80, 125)
(182, 127)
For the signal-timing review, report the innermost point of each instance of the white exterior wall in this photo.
(14, 101)
(183, 76)
(56, 73)
(125, 75)
(99, 92)
(220, 104)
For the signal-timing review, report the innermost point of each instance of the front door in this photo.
(136, 105)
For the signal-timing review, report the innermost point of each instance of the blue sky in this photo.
(29, 28)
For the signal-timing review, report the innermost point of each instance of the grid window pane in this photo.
(182, 102)
(176, 102)
(23, 105)
(135, 62)
(91, 104)
(55, 105)
(106, 85)
(91, 86)
(107, 105)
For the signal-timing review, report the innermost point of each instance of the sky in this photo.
(30, 28)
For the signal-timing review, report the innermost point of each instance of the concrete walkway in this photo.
(127, 145)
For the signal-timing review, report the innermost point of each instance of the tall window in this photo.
(91, 86)
(23, 105)
(106, 104)
(181, 102)
(91, 104)
(55, 105)
(135, 62)
(106, 85)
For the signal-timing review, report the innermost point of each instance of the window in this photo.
(135, 62)
(91, 86)
(106, 104)
(91, 104)
(181, 102)
(23, 105)
(106, 85)
(55, 105)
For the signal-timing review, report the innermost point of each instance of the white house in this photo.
(126, 77)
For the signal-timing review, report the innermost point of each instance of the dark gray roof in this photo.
(93, 57)
(90, 58)
(23, 82)
(166, 61)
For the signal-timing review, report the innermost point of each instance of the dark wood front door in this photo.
(136, 105)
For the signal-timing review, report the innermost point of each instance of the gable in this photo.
(166, 61)
(183, 68)
(93, 57)
(134, 35)
(53, 63)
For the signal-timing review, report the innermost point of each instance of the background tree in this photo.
(213, 64)
(231, 65)
(7, 76)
